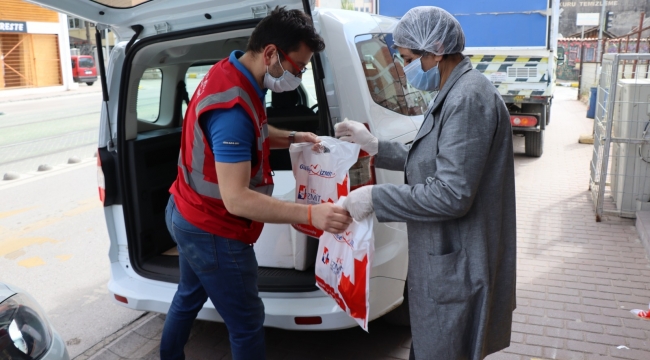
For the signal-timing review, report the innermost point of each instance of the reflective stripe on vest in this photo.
(196, 179)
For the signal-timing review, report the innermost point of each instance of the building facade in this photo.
(34, 47)
(626, 14)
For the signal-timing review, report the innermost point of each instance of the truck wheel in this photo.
(400, 316)
(535, 143)
(90, 83)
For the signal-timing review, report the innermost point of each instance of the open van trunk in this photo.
(157, 72)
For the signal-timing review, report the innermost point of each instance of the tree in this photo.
(347, 5)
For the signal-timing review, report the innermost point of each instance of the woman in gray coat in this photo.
(458, 200)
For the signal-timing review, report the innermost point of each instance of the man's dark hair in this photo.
(285, 29)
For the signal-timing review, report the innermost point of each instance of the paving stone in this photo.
(561, 354)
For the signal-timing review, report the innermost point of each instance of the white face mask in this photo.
(286, 82)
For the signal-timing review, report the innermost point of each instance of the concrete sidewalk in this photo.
(577, 279)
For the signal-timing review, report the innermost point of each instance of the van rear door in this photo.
(159, 16)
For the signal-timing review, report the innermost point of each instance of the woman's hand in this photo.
(359, 203)
(356, 132)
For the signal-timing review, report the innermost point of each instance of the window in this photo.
(193, 77)
(383, 68)
(306, 90)
(149, 90)
(590, 55)
(86, 62)
(74, 23)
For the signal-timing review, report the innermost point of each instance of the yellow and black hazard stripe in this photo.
(490, 64)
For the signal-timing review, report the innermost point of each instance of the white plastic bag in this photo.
(343, 266)
(321, 176)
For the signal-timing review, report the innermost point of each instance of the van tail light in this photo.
(523, 120)
(101, 182)
(121, 299)
(308, 320)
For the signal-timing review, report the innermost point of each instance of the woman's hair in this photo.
(285, 29)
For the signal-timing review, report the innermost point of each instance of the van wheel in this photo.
(400, 316)
(535, 143)
(90, 83)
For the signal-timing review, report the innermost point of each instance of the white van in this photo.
(165, 48)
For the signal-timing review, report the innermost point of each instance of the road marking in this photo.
(64, 257)
(32, 262)
(85, 205)
(10, 246)
(15, 255)
(12, 242)
(14, 212)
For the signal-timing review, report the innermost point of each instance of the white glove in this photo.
(356, 132)
(359, 203)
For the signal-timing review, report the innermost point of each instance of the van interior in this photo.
(162, 76)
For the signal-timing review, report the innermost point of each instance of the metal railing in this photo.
(620, 167)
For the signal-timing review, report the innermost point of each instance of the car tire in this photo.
(90, 83)
(400, 316)
(534, 143)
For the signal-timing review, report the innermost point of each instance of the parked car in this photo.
(83, 69)
(25, 331)
(357, 76)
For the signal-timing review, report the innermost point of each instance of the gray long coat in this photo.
(459, 207)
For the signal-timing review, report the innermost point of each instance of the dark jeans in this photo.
(223, 270)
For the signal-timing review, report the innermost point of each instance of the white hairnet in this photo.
(430, 29)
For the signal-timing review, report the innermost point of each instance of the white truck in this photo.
(514, 44)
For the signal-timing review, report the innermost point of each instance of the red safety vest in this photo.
(196, 190)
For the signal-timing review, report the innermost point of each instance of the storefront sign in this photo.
(13, 26)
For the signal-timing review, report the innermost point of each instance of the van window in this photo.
(306, 91)
(383, 68)
(193, 77)
(149, 92)
(86, 62)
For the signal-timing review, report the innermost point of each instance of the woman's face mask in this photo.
(422, 80)
(286, 82)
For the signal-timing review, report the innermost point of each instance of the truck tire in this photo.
(400, 316)
(534, 143)
(90, 83)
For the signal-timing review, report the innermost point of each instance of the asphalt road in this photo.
(54, 245)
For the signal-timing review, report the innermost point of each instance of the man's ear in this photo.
(269, 54)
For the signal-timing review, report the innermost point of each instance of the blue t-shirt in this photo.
(230, 132)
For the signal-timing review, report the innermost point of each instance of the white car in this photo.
(165, 48)
(25, 332)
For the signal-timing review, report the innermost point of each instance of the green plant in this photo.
(347, 5)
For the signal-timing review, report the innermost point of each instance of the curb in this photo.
(114, 338)
(45, 96)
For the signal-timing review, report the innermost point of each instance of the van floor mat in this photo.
(165, 268)
(286, 280)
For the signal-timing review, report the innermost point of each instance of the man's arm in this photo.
(279, 139)
(240, 200)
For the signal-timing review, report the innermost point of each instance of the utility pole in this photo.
(88, 43)
(600, 31)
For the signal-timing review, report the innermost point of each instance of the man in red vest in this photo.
(221, 197)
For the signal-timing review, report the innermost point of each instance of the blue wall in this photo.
(486, 30)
